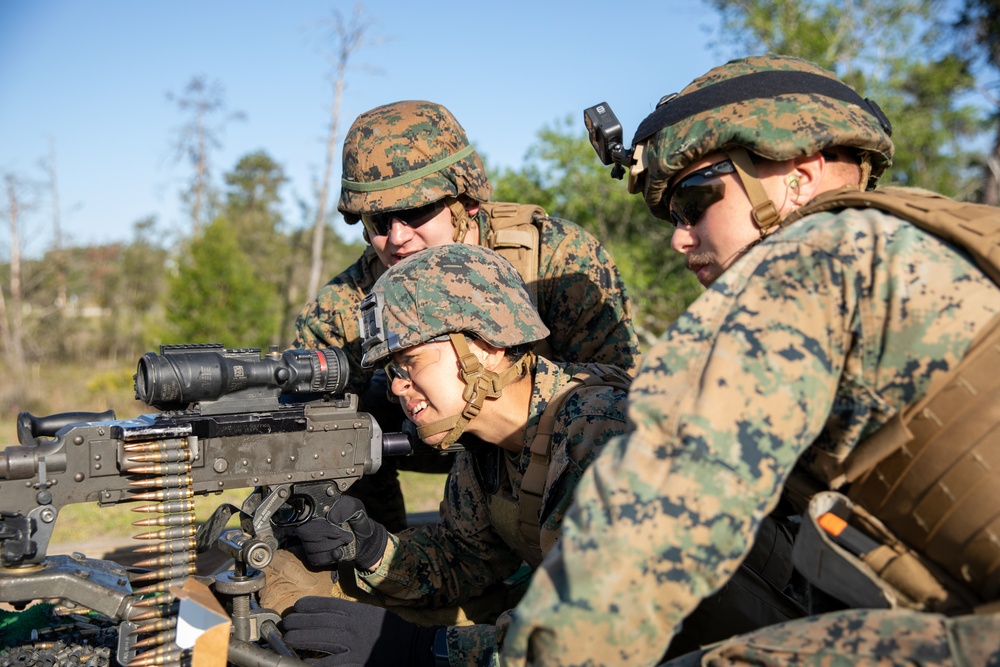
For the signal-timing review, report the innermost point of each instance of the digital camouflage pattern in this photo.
(776, 128)
(802, 348)
(404, 155)
(581, 299)
(450, 289)
(864, 637)
(463, 554)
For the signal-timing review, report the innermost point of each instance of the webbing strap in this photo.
(533, 481)
(765, 213)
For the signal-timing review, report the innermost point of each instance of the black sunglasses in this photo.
(379, 224)
(691, 196)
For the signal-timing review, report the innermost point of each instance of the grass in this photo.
(101, 386)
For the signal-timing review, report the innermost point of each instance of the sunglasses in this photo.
(691, 196)
(379, 224)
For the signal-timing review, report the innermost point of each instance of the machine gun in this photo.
(278, 424)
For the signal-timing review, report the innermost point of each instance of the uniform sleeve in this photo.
(588, 420)
(331, 320)
(722, 409)
(453, 560)
(583, 300)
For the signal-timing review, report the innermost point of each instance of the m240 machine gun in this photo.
(276, 423)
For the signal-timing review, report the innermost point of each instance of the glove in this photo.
(287, 579)
(346, 534)
(357, 634)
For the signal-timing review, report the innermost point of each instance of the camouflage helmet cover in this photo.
(405, 155)
(777, 107)
(446, 289)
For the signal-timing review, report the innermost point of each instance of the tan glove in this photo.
(287, 578)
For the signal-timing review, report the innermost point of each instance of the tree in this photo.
(345, 37)
(197, 138)
(11, 314)
(216, 296)
(132, 294)
(901, 63)
(252, 210)
(978, 42)
(58, 256)
(563, 175)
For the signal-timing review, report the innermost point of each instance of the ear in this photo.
(471, 207)
(805, 177)
(492, 358)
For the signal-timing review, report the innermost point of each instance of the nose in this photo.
(683, 239)
(399, 232)
(399, 385)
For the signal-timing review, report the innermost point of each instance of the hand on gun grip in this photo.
(357, 634)
(346, 534)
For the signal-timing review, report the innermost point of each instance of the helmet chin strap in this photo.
(460, 218)
(480, 384)
(765, 213)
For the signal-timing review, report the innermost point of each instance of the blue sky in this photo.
(92, 77)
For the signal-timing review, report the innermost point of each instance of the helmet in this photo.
(404, 155)
(777, 107)
(452, 288)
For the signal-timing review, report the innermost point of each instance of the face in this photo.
(400, 234)
(426, 379)
(715, 224)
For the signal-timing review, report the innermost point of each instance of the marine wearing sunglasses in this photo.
(379, 224)
(691, 196)
(721, 208)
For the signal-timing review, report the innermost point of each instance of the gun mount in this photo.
(277, 424)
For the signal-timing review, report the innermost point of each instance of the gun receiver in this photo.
(231, 418)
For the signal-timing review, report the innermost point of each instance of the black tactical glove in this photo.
(354, 633)
(346, 534)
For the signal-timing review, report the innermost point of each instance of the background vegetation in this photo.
(74, 320)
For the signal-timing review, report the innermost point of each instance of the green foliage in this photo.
(563, 175)
(217, 296)
(902, 62)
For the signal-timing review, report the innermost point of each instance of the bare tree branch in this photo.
(346, 37)
(198, 138)
(11, 322)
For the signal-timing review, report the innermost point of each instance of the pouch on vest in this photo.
(514, 232)
(849, 554)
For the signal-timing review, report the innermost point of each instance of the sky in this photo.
(88, 81)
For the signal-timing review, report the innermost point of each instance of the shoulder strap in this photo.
(533, 482)
(513, 231)
(973, 227)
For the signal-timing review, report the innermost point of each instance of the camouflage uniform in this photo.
(463, 554)
(460, 288)
(580, 293)
(807, 344)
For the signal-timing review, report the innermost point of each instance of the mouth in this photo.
(414, 408)
(702, 270)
